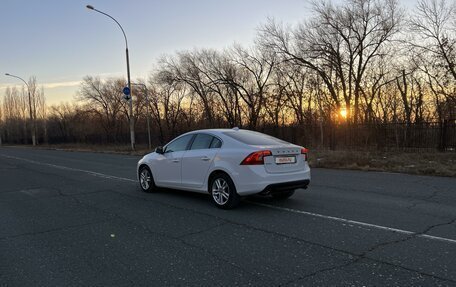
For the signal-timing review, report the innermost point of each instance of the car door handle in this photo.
(205, 158)
(175, 160)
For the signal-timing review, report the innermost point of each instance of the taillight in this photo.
(304, 152)
(256, 158)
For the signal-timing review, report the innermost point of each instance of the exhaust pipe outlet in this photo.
(265, 192)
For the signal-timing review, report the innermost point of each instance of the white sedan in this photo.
(228, 164)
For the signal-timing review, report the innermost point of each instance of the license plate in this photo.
(285, 159)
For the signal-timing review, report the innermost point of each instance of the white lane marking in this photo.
(93, 173)
(359, 223)
(338, 219)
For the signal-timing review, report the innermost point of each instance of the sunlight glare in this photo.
(343, 113)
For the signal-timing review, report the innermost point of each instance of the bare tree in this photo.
(249, 78)
(167, 102)
(105, 99)
(15, 114)
(339, 43)
(63, 117)
(294, 82)
(214, 65)
(184, 68)
(435, 26)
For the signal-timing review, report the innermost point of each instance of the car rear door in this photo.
(198, 159)
(167, 169)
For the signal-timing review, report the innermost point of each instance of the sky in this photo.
(61, 41)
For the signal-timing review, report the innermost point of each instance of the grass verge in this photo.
(423, 163)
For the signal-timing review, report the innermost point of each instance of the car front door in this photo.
(167, 168)
(198, 159)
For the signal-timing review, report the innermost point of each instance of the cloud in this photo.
(45, 85)
(61, 84)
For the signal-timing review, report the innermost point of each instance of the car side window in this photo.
(216, 143)
(179, 145)
(202, 141)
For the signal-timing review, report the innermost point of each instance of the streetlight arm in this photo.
(120, 26)
(17, 77)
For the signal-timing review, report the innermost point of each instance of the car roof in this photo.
(231, 137)
(217, 131)
(224, 133)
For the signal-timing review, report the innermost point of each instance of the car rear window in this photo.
(202, 141)
(216, 143)
(254, 138)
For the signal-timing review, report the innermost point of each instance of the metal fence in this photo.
(392, 136)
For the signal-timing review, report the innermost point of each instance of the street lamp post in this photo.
(131, 121)
(147, 111)
(30, 108)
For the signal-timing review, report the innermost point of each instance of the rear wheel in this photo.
(146, 180)
(283, 194)
(223, 192)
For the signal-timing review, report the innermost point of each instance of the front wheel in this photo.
(223, 191)
(146, 180)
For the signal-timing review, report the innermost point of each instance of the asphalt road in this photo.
(80, 219)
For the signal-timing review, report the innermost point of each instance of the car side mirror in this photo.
(160, 150)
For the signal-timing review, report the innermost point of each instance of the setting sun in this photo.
(343, 113)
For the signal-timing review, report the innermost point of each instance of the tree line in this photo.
(361, 62)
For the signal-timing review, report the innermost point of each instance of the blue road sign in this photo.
(126, 91)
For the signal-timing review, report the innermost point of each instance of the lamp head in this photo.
(90, 7)
(6, 74)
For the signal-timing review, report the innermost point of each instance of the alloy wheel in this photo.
(220, 191)
(145, 179)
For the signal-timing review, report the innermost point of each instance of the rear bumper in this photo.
(254, 180)
(284, 186)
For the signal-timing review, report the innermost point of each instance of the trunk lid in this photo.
(284, 159)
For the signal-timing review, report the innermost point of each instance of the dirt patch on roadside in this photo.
(423, 163)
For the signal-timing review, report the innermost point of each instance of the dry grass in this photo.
(423, 163)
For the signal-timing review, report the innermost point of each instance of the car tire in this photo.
(223, 192)
(146, 180)
(283, 194)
